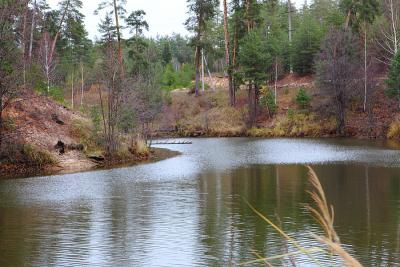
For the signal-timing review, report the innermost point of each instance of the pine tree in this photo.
(306, 43)
(116, 8)
(166, 53)
(200, 12)
(137, 23)
(277, 41)
(254, 59)
(107, 29)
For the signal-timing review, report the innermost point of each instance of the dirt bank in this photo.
(76, 163)
(35, 126)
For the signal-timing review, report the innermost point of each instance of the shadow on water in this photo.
(189, 210)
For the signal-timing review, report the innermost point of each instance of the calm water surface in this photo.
(189, 210)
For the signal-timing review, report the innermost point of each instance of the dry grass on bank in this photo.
(27, 155)
(296, 124)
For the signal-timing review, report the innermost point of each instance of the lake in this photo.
(190, 210)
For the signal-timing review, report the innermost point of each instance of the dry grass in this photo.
(140, 148)
(296, 124)
(394, 130)
(83, 131)
(208, 114)
(26, 154)
(324, 215)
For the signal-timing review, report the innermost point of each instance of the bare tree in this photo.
(111, 105)
(338, 71)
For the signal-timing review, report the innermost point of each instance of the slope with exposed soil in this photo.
(41, 122)
(46, 137)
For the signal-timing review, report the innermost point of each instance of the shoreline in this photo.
(18, 171)
(83, 164)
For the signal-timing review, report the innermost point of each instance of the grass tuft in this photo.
(324, 215)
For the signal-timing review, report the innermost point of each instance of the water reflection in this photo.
(189, 211)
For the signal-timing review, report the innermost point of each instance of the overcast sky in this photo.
(164, 16)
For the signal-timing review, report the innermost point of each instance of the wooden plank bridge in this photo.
(171, 143)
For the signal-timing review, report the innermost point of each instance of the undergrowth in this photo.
(27, 154)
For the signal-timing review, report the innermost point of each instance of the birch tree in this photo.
(389, 31)
(47, 60)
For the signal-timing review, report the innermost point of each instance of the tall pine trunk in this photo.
(118, 38)
(227, 56)
(53, 46)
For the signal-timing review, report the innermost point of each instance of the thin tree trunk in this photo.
(290, 35)
(202, 70)
(348, 17)
(252, 103)
(47, 67)
(209, 73)
(227, 55)
(1, 121)
(103, 113)
(276, 80)
(24, 44)
(248, 15)
(82, 84)
(235, 45)
(72, 90)
(32, 30)
(234, 59)
(197, 65)
(119, 38)
(365, 67)
(393, 18)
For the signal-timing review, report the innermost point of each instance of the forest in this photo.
(248, 68)
(267, 132)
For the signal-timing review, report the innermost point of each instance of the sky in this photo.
(164, 16)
